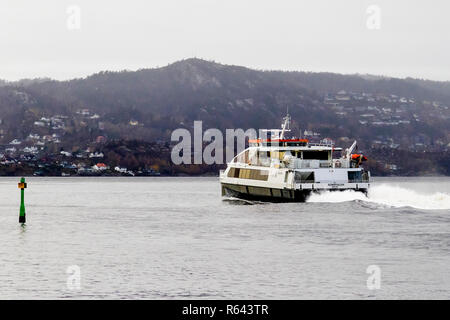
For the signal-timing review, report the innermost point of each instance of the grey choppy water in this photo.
(163, 238)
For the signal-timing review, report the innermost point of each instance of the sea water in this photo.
(172, 238)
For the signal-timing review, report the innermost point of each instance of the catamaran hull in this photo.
(273, 194)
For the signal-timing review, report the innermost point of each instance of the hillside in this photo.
(384, 114)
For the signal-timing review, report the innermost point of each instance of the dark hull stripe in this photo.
(269, 194)
(264, 194)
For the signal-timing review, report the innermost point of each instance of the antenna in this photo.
(289, 117)
(285, 125)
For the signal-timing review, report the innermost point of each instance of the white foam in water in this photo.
(388, 195)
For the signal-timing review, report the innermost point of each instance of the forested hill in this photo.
(382, 113)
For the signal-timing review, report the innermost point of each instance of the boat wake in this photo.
(387, 195)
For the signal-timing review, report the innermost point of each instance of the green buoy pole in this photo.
(22, 186)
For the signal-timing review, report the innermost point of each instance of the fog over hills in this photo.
(382, 113)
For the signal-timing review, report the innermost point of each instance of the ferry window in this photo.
(253, 156)
(264, 154)
(263, 159)
(242, 157)
(315, 155)
(295, 144)
(304, 177)
(233, 173)
(249, 174)
(354, 176)
(337, 154)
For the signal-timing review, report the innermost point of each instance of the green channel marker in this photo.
(22, 186)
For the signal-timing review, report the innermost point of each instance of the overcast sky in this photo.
(42, 39)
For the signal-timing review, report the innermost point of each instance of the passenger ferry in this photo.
(290, 169)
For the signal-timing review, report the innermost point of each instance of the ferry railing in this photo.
(321, 144)
(310, 164)
(295, 163)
